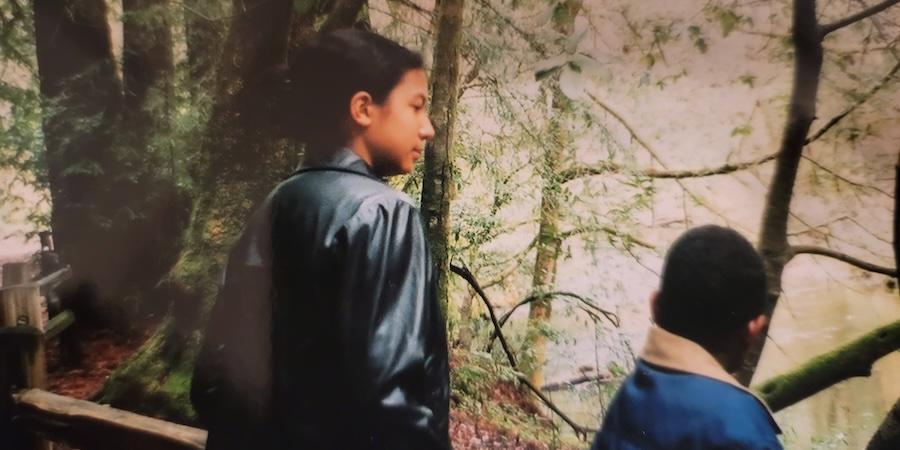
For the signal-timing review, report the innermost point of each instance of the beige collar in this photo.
(674, 352)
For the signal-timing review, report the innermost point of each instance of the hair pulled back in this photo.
(328, 71)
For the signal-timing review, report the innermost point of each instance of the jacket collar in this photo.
(670, 351)
(344, 160)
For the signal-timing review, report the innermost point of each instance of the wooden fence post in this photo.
(23, 363)
(21, 366)
(16, 273)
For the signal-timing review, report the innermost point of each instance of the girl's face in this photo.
(395, 135)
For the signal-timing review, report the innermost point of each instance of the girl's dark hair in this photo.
(713, 283)
(326, 73)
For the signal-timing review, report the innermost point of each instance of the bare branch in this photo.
(426, 12)
(580, 431)
(587, 305)
(610, 167)
(653, 153)
(470, 278)
(624, 123)
(854, 359)
(844, 179)
(469, 79)
(813, 250)
(628, 238)
(834, 120)
(528, 37)
(824, 30)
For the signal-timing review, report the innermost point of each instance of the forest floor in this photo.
(491, 415)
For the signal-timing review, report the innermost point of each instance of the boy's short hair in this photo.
(713, 283)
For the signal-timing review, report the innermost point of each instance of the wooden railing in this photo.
(32, 418)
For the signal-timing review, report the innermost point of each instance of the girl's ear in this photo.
(361, 109)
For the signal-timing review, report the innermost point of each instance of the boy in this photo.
(708, 310)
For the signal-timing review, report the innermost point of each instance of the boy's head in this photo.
(713, 291)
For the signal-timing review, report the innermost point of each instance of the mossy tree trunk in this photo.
(549, 239)
(437, 188)
(240, 160)
(854, 359)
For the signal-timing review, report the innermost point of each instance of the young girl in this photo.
(335, 269)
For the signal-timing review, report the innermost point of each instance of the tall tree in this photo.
(100, 155)
(549, 238)
(437, 189)
(807, 35)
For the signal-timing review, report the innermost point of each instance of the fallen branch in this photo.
(568, 384)
(854, 359)
(580, 431)
(856, 262)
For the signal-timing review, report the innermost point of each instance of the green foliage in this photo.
(743, 130)
(748, 79)
(696, 35)
(728, 19)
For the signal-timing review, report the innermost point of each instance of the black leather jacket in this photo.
(357, 359)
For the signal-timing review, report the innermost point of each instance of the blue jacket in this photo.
(680, 398)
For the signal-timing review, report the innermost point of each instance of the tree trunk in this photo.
(438, 176)
(549, 241)
(773, 245)
(240, 160)
(103, 183)
(148, 69)
(888, 435)
(204, 31)
(152, 241)
(83, 96)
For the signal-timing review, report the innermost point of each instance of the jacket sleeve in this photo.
(388, 327)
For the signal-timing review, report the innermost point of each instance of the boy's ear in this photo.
(755, 327)
(654, 305)
(361, 109)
